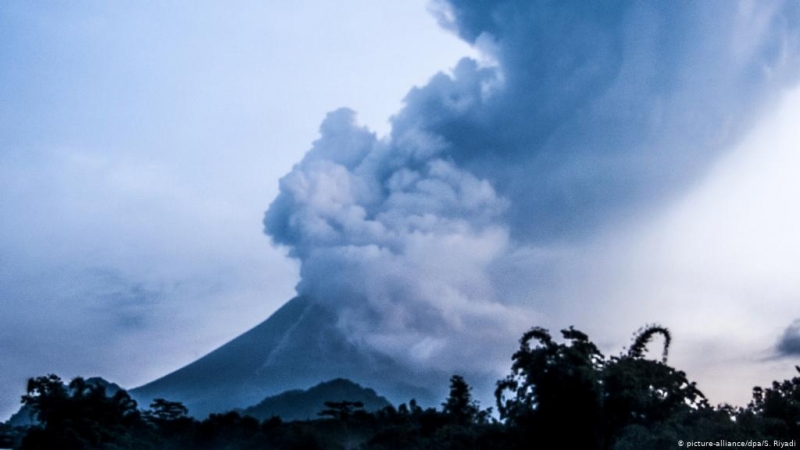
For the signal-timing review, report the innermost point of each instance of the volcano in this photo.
(297, 347)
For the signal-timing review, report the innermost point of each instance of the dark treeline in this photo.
(559, 393)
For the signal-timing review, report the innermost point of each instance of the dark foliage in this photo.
(81, 416)
(558, 394)
(777, 408)
(9, 436)
(460, 406)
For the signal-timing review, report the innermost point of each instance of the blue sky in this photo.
(602, 169)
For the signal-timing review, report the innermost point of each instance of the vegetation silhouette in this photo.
(563, 393)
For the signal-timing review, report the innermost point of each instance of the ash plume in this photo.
(577, 118)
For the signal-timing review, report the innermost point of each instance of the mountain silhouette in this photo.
(297, 347)
(307, 404)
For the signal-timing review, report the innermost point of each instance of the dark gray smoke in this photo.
(789, 343)
(579, 116)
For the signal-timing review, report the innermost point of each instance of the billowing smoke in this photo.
(578, 117)
(399, 238)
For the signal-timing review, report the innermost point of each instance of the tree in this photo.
(162, 411)
(459, 404)
(643, 337)
(778, 407)
(79, 416)
(556, 385)
(642, 392)
(46, 397)
(342, 411)
(553, 387)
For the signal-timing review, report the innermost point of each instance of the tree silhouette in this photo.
(644, 396)
(79, 416)
(561, 393)
(553, 386)
(778, 407)
(572, 384)
(644, 336)
(342, 410)
(459, 404)
(162, 411)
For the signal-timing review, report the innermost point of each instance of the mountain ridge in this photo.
(298, 404)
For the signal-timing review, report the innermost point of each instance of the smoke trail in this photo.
(586, 114)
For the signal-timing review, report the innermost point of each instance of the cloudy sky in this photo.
(139, 148)
(602, 168)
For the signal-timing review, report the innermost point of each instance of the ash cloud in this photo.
(789, 343)
(578, 118)
(606, 106)
(397, 238)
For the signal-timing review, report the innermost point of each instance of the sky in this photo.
(172, 173)
(140, 145)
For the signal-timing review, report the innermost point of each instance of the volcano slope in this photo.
(295, 348)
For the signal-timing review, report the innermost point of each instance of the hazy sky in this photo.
(593, 170)
(140, 145)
